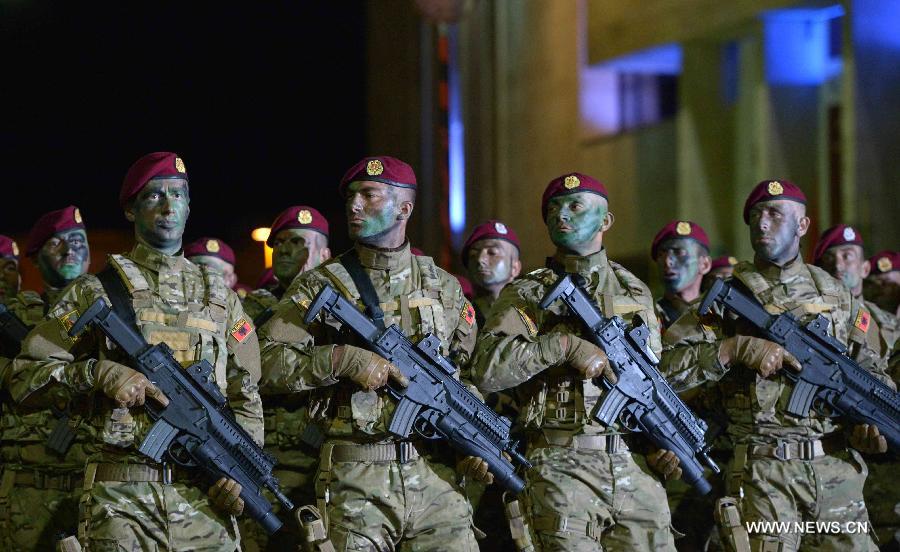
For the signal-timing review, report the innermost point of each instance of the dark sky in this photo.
(264, 101)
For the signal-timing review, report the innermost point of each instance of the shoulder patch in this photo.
(863, 319)
(241, 330)
(67, 320)
(529, 323)
(468, 313)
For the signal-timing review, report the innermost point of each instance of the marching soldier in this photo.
(882, 287)
(681, 252)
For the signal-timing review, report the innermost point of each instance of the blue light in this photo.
(661, 60)
(456, 144)
(877, 22)
(797, 45)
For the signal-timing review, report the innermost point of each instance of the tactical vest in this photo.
(429, 308)
(196, 333)
(557, 398)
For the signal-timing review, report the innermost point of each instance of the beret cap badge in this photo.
(683, 228)
(374, 167)
(775, 188)
(304, 217)
(885, 264)
(212, 246)
(77, 215)
(15, 249)
(572, 182)
(179, 165)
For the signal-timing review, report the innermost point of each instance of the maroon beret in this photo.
(571, 183)
(8, 248)
(835, 236)
(722, 262)
(771, 190)
(885, 261)
(490, 230)
(267, 279)
(679, 229)
(210, 247)
(387, 170)
(67, 218)
(160, 164)
(298, 216)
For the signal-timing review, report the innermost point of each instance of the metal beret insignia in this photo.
(212, 246)
(849, 234)
(179, 165)
(242, 293)
(304, 217)
(571, 182)
(683, 228)
(77, 215)
(775, 188)
(732, 261)
(374, 167)
(885, 264)
(500, 228)
(15, 249)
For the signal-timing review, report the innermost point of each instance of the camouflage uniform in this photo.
(669, 310)
(372, 499)
(785, 468)
(39, 488)
(257, 301)
(129, 502)
(587, 489)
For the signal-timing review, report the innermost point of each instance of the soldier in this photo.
(10, 279)
(882, 287)
(786, 468)
(214, 253)
(376, 492)
(681, 252)
(299, 242)
(587, 490)
(40, 486)
(130, 502)
(840, 252)
(721, 267)
(491, 257)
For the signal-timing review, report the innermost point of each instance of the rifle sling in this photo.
(118, 295)
(364, 286)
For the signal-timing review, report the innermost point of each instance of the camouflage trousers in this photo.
(828, 490)
(882, 494)
(295, 472)
(35, 519)
(137, 516)
(589, 500)
(387, 506)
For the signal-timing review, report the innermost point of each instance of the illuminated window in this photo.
(803, 45)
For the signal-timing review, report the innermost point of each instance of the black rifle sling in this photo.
(364, 286)
(118, 295)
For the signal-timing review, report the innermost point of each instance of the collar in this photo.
(383, 259)
(156, 261)
(773, 272)
(586, 265)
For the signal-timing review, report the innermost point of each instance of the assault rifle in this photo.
(197, 429)
(642, 400)
(435, 404)
(830, 380)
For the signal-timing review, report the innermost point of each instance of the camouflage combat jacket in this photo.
(755, 407)
(518, 347)
(414, 293)
(257, 301)
(176, 302)
(669, 310)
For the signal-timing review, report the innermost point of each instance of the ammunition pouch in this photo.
(732, 532)
(313, 529)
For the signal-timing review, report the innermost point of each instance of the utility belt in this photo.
(399, 451)
(38, 479)
(547, 437)
(801, 450)
(164, 473)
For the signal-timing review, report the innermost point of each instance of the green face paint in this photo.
(371, 209)
(295, 250)
(846, 263)
(490, 262)
(9, 279)
(64, 257)
(575, 219)
(678, 260)
(161, 211)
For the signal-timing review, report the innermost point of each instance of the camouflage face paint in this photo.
(295, 250)
(575, 219)
(490, 262)
(372, 209)
(846, 263)
(9, 279)
(64, 257)
(161, 211)
(774, 230)
(678, 260)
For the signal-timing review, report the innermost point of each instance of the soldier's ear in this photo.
(705, 265)
(803, 226)
(866, 269)
(406, 209)
(516, 268)
(326, 254)
(608, 221)
(129, 212)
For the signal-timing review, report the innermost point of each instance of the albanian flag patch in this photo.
(241, 330)
(468, 313)
(863, 318)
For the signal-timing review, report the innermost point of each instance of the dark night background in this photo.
(265, 102)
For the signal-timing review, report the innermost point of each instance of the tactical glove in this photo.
(758, 354)
(589, 360)
(364, 367)
(226, 496)
(125, 386)
(665, 463)
(475, 469)
(867, 439)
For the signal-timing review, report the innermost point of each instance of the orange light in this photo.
(261, 235)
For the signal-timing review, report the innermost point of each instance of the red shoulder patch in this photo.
(241, 330)
(863, 318)
(468, 313)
